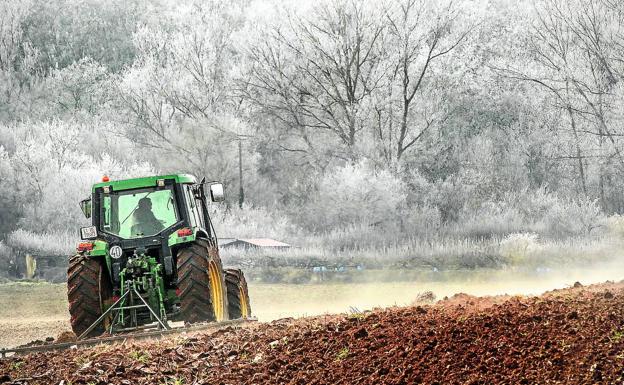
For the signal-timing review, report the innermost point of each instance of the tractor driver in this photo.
(145, 222)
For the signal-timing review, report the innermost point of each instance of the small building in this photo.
(223, 242)
(254, 243)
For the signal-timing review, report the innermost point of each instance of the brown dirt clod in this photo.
(66, 336)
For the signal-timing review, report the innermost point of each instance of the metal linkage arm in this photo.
(103, 316)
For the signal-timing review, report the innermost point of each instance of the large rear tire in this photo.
(201, 283)
(89, 291)
(238, 294)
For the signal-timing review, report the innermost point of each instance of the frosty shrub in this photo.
(5, 251)
(560, 217)
(614, 225)
(356, 237)
(5, 258)
(420, 221)
(577, 251)
(453, 194)
(532, 211)
(518, 248)
(251, 222)
(489, 220)
(58, 243)
(356, 195)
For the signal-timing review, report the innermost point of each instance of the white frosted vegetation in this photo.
(448, 133)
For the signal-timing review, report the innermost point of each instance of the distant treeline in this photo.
(360, 124)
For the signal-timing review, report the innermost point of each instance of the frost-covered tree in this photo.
(177, 100)
(422, 45)
(47, 172)
(356, 195)
(409, 116)
(313, 75)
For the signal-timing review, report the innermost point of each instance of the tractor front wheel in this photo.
(238, 294)
(89, 291)
(201, 283)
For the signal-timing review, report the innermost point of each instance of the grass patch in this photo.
(342, 354)
(173, 381)
(617, 335)
(140, 356)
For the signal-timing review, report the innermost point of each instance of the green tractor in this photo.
(151, 256)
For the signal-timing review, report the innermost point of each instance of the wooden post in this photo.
(31, 266)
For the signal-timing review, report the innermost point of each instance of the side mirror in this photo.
(216, 192)
(85, 206)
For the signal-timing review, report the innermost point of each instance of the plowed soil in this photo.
(571, 336)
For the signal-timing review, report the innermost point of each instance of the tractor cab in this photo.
(148, 207)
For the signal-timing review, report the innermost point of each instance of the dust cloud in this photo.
(274, 301)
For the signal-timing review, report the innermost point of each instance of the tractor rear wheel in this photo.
(238, 294)
(89, 292)
(201, 283)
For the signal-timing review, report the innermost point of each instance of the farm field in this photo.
(35, 311)
(564, 336)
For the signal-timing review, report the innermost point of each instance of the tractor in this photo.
(151, 257)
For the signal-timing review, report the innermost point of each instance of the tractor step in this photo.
(154, 334)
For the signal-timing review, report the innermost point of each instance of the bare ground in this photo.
(31, 311)
(570, 336)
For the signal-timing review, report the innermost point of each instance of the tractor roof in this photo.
(128, 184)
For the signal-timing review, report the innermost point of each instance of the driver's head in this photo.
(145, 204)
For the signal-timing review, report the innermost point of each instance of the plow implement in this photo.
(156, 332)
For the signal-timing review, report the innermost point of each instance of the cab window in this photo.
(138, 213)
